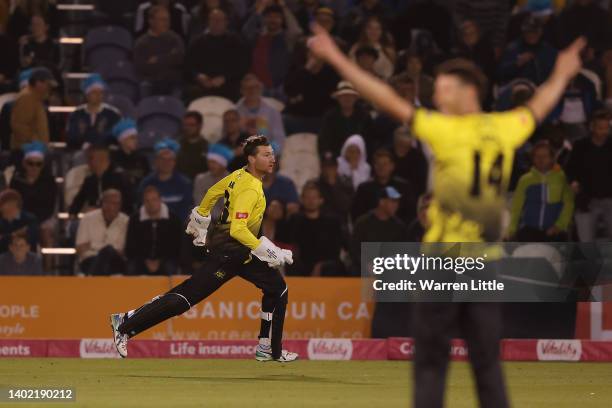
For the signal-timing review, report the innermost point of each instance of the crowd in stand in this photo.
(127, 204)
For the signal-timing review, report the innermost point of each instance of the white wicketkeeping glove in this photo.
(271, 254)
(198, 227)
(288, 255)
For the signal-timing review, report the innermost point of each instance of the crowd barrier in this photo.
(52, 308)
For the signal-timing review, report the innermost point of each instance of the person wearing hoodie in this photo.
(543, 203)
(352, 161)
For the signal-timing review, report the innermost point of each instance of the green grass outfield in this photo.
(243, 383)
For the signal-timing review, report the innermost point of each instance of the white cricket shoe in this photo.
(264, 352)
(120, 340)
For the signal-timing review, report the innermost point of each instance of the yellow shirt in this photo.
(473, 162)
(243, 208)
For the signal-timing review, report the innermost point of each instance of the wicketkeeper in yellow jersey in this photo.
(473, 154)
(232, 249)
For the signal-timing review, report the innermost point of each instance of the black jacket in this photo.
(92, 188)
(153, 239)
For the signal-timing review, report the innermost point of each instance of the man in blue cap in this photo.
(29, 120)
(7, 108)
(378, 225)
(127, 159)
(92, 122)
(174, 187)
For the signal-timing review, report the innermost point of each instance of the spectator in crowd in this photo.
(38, 49)
(232, 135)
(352, 161)
(200, 16)
(473, 46)
(7, 108)
(543, 202)
(384, 168)
(19, 260)
(345, 119)
(417, 228)
(127, 159)
(257, 116)
(542, 9)
(21, 17)
(383, 125)
(273, 224)
(378, 225)
(8, 63)
(153, 237)
(577, 104)
(326, 18)
(492, 16)
(178, 19)
(29, 121)
(588, 170)
(281, 188)
(316, 238)
(218, 157)
(158, 56)
(308, 89)
(366, 58)
(93, 121)
(35, 183)
(273, 32)
(100, 239)
(175, 188)
(220, 75)
(422, 81)
(103, 177)
(529, 57)
(14, 220)
(374, 35)
(191, 157)
(356, 17)
(239, 159)
(585, 17)
(410, 161)
(336, 190)
(306, 13)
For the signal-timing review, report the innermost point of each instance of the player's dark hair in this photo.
(195, 115)
(467, 72)
(253, 142)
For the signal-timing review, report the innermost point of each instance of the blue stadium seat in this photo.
(108, 43)
(158, 117)
(121, 78)
(123, 103)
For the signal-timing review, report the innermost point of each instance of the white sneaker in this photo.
(264, 352)
(121, 340)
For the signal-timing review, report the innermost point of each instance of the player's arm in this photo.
(369, 87)
(547, 95)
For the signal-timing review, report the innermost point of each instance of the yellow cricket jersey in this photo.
(473, 162)
(243, 210)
